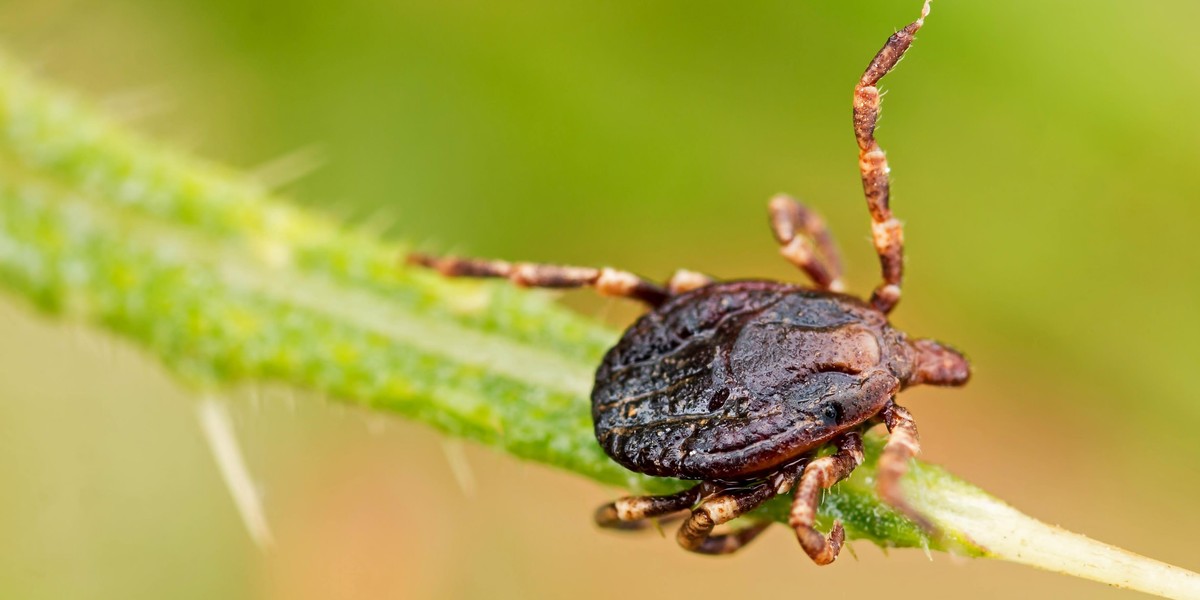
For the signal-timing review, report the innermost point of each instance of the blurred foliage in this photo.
(1039, 152)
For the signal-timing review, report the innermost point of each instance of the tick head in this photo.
(938, 364)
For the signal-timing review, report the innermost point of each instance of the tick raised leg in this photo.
(903, 444)
(609, 282)
(806, 242)
(632, 512)
(820, 475)
(886, 231)
(696, 533)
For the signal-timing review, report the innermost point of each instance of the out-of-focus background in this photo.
(1043, 155)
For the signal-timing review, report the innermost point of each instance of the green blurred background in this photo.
(1043, 155)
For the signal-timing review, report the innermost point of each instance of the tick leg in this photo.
(805, 241)
(728, 543)
(902, 445)
(609, 282)
(887, 232)
(686, 281)
(696, 532)
(632, 512)
(820, 475)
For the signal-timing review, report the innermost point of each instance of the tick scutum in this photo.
(737, 378)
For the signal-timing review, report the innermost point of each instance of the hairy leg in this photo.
(696, 532)
(805, 241)
(609, 282)
(903, 444)
(818, 476)
(633, 512)
(887, 232)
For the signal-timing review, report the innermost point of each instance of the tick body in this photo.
(737, 379)
(738, 385)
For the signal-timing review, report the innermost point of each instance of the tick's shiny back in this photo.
(738, 377)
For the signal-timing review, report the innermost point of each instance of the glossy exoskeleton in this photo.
(739, 384)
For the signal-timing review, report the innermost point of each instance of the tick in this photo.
(739, 384)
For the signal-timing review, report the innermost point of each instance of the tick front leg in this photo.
(696, 532)
(903, 444)
(887, 232)
(806, 242)
(634, 511)
(609, 282)
(818, 476)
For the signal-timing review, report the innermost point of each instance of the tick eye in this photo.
(718, 399)
(832, 413)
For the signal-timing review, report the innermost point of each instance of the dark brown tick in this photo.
(739, 384)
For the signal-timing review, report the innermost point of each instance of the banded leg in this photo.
(728, 543)
(820, 475)
(686, 281)
(903, 444)
(696, 532)
(886, 231)
(805, 241)
(632, 512)
(606, 281)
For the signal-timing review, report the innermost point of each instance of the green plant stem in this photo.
(225, 285)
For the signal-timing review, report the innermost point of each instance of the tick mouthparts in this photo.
(938, 364)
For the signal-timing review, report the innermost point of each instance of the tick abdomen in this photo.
(737, 378)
